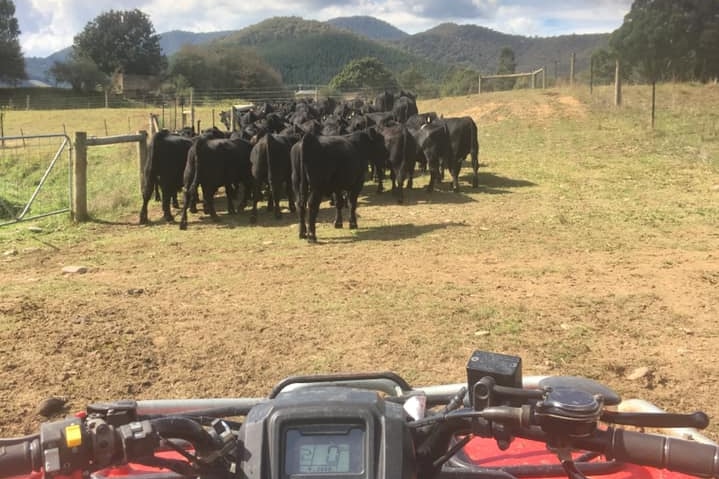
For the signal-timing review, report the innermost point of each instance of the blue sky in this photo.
(50, 25)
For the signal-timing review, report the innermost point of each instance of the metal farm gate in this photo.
(35, 178)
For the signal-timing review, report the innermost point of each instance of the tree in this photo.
(666, 39)
(704, 37)
(367, 72)
(604, 64)
(460, 82)
(414, 81)
(507, 66)
(81, 73)
(215, 66)
(12, 62)
(411, 79)
(121, 41)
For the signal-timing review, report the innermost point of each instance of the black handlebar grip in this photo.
(679, 455)
(17, 459)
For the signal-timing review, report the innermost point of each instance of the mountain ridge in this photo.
(449, 44)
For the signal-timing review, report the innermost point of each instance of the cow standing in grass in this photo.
(211, 163)
(464, 140)
(164, 168)
(270, 158)
(401, 158)
(326, 166)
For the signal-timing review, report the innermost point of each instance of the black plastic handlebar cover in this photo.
(679, 455)
(19, 459)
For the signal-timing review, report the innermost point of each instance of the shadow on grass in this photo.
(490, 183)
(390, 233)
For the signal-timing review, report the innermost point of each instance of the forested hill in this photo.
(312, 52)
(369, 27)
(172, 41)
(478, 48)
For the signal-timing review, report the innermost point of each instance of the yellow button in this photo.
(73, 435)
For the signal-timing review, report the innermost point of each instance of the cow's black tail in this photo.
(475, 142)
(271, 153)
(199, 145)
(151, 173)
(474, 152)
(310, 144)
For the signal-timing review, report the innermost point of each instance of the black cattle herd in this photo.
(307, 151)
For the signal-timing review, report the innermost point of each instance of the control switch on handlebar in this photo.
(504, 369)
(138, 438)
(63, 445)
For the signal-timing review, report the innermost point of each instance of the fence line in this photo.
(32, 152)
(533, 76)
(82, 142)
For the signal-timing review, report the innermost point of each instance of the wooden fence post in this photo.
(142, 154)
(79, 173)
(479, 85)
(617, 85)
(573, 59)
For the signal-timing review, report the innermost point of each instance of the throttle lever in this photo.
(696, 420)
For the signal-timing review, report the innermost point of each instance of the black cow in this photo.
(401, 157)
(463, 136)
(212, 163)
(435, 144)
(164, 168)
(332, 125)
(404, 107)
(384, 102)
(329, 166)
(270, 158)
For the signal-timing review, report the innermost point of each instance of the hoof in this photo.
(169, 219)
(253, 220)
(312, 239)
(353, 226)
(338, 226)
(183, 226)
(475, 182)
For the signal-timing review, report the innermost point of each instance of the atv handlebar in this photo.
(20, 458)
(662, 452)
(491, 405)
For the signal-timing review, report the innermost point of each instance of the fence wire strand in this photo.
(35, 180)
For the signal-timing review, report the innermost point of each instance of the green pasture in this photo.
(565, 177)
(589, 163)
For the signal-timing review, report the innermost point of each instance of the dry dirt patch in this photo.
(227, 309)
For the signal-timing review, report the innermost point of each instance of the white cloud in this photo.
(49, 25)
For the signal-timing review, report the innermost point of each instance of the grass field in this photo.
(590, 248)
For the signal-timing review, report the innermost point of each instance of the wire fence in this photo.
(35, 179)
(63, 99)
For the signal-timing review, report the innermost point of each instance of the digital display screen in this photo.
(316, 451)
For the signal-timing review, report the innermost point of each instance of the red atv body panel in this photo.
(485, 453)
(482, 452)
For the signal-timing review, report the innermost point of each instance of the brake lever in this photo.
(696, 420)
